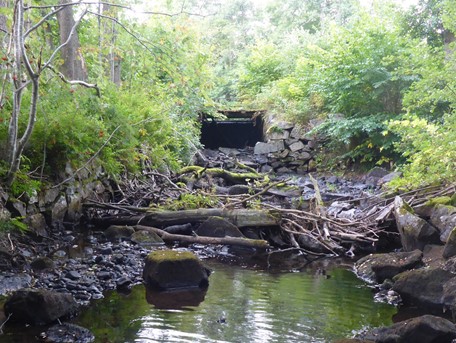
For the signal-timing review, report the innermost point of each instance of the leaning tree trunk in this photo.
(73, 62)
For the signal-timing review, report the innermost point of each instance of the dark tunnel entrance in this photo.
(238, 130)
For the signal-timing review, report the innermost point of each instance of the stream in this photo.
(245, 305)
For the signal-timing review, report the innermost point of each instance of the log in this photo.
(161, 218)
(168, 237)
(225, 174)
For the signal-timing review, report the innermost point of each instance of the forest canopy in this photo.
(123, 83)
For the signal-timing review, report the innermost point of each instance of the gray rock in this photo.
(266, 168)
(42, 263)
(229, 151)
(169, 269)
(450, 245)
(277, 135)
(267, 148)
(116, 232)
(39, 306)
(182, 229)
(290, 141)
(20, 207)
(50, 195)
(296, 146)
(218, 227)
(379, 267)
(238, 189)
(59, 209)
(444, 218)
(37, 224)
(424, 329)
(389, 177)
(415, 232)
(146, 238)
(5, 215)
(422, 287)
(298, 132)
(11, 283)
(284, 125)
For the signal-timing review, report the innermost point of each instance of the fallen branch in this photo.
(169, 237)
(219, 172)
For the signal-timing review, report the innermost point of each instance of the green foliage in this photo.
(262, 66)
(189, 201)
(429, 148)
(150, 119)
(14, 224)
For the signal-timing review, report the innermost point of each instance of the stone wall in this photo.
(287, 148)
(55, 205)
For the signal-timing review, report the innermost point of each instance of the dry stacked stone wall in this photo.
(287, 148)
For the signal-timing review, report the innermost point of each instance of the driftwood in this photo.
(232, 177)
(239, 217)
(168, 237)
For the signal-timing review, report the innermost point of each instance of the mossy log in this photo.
(229, 176)
(168, 237)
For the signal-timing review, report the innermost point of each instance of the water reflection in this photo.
(175, 299)
(242, 305)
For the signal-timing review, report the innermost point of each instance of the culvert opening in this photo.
(240, 129)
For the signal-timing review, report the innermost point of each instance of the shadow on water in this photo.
(243, 305)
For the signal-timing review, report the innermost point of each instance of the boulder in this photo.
(444, 218)
(42, 263)
(37, 224)
(422, 287)
(39, 306)
(449, 296)
(218, 227)
(450, 245)
(146, 238)
(379, 267)
(116, 232)
(424, 329)
(374, 175)
(59, 210)
(68, 333)
(415, 232)
(169, 269)
(388, 177)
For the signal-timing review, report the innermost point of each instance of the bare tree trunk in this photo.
(73, 63)
(114, 61)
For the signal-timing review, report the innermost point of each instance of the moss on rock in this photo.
(170, 269)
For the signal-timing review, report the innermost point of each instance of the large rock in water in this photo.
(424, 329)
(423, 287)
(169, 269)
(39, 306)
(415, 232)
(379, 267)
(218, 227)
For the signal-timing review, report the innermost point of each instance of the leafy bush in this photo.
(430, 150)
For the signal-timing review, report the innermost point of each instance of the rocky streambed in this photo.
(85, 261)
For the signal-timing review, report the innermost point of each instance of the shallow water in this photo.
(244, 305)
